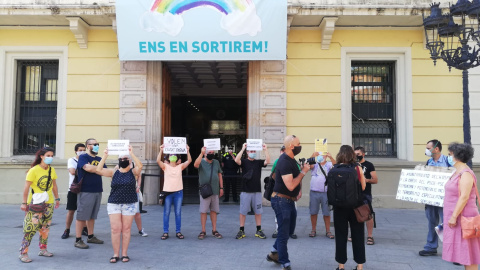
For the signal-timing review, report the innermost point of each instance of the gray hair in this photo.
(462, 152)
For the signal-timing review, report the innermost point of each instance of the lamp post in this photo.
(456, 44)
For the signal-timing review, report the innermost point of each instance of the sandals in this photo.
(202, 235)
(217, 234)
(179, 235)
(24, 258)
(114, 259)
(45, 253)
(313, 234)
(164, 237)
(329, 235)
(125, 259)
(370, 241)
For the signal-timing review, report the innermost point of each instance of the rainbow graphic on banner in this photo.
(239, 17)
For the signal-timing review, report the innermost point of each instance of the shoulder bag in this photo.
(206, 189)
(40, 207)
(470, 225)
(362, 212)
(76, 186)
(269, 184)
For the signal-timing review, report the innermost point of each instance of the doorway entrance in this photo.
(204, 100)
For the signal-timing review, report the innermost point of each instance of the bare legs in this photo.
(326, 220)
(213, 218)
(120, 226)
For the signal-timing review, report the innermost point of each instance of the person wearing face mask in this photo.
(288, 179)
(90, 196)
(72, 197)
(370, 178)
(209, 171)
(122, 202)
(434, 214)
(173, 185)
(318, 192)
(42, 179)
(251, 195)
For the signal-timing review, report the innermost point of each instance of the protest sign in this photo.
(174, 145)
(321, 146)
(254, 144)
(425, 187)
(211, 144)
(118, 147)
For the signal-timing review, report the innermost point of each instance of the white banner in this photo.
(212, 144)
(423, 187)
(254, 144)
(174, 145)
(118, 147)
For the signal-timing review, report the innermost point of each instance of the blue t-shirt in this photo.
(92, 182)
(441, 162)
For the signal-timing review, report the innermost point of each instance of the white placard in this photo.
(254, 144)
(118, 147)
(423, 187)
(174, 145)
(212, 144)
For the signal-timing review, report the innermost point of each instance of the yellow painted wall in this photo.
(314, 87)
(93, 81)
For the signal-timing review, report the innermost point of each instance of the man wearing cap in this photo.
(230, 171)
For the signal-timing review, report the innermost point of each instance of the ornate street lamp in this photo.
(456, 44)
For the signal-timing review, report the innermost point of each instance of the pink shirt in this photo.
(173, 178)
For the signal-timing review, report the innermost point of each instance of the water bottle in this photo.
(439, 230)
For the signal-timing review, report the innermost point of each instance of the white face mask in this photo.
(79, 153)
(428, 152)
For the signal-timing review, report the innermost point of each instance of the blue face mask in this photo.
(95, 148)
(450, 160)
(319, 159)
(48, 160)
(252, 155)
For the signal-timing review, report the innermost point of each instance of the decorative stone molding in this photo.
(327, 27)
(274, 83)
(133, 82)
(133, 67)
(274, 68)
(133, 117)
(133, 99)
(133, 133)
(139, 150)
(273, 117)
(273, 134)
(79, 29)
(273, 100)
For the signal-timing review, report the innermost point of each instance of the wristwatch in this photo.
(57, 199)
(302, 172)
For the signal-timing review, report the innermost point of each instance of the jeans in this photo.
(177, 198)
(435, 216)
(343, 217)
(286, 215)
(230, 180)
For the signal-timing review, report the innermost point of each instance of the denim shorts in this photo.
(127, 209)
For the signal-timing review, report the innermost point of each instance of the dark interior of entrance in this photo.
(205, 100)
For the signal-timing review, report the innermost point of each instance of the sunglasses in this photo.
(94, 144)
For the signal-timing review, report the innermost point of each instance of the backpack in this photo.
(344, 187)
(269, 184)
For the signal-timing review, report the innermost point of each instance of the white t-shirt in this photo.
(71, 164)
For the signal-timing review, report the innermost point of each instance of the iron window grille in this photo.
(36, 106)
(373, 107)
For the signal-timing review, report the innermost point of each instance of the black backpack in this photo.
(344, 187)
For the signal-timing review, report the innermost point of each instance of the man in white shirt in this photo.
(72, 197)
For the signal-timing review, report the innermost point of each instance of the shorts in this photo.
(317, 198)
(126, 209)
(211, 204)
(251, 200)
(71, 201)
(88, 205)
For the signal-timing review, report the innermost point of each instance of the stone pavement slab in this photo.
(399, 235)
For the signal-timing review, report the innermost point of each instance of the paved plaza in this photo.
(399, 235)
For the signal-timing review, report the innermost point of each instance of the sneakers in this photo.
(427, 253)
(293, 236)
(94, 240)
(275, 233)
(287, 268)
(260, 234)
(85, 231)
(66, 234)
(240, 235)
(143, 233)
(80, 244)
(273, 257)
(45, 253)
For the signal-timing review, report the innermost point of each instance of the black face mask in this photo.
(210, 156)
(359, 158)
(296, 150)
(123, 163)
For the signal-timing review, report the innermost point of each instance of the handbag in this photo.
(76, 186)
(269, 184)
(470, 225)
(40, 207)
(206, 189)
(363, 213)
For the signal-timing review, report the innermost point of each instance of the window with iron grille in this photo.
(373, 107)
(36, 106)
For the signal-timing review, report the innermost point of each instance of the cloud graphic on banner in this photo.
(238, 16)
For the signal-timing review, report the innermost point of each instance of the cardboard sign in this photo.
(254, 144)
(174, 145)
(425, 187)
(212, 144)
(321, 146)
(118, 147)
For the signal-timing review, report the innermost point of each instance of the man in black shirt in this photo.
(230, 169)
(251, 195)
(288, 178)
(370, 178)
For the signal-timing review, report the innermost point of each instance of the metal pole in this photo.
(466, 113)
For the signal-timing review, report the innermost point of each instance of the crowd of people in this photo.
(40, 197)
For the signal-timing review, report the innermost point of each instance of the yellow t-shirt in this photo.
(39, 178)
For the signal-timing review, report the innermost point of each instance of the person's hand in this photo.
(244, 146)
(137, 189)
(264, 147)
(452, 222)
(315, 154)
(306, 167)
(105, 152)
(57, 204)
(188, 148)
(130, 149)
(204, 149)
(221, 192)
(23, 207)
(161, 147)
(299, 196)
(329, 155)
